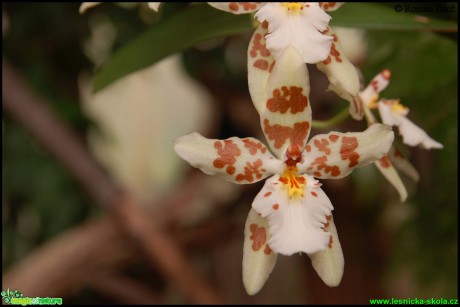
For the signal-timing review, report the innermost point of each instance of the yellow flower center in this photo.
(293, 182)
(398, 108)
(293, 7)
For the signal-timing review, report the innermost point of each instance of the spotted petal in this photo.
(260, 64)
(342, 75)
(286, 114)
(258, 258)
(403, 164)
(300, 28)
(412, 134)
(329, 263)
(330, 6)
(335, 155)
(237, 160)
(386, 168)
(370, 95)
(236, 7)
(296, 223)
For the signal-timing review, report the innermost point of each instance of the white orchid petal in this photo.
(87, 5)
(329, 263)
(258, 259)
(385, 166)
(236, 7)
(237, 160)
(300, 29)
(335, 155)
(154, 5)
(387, 115)
(286, 115)
(295, 223)
(412, 134)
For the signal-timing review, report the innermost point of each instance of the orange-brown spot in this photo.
(254, 146)
(267, 250)
(287, 98)
(283, 180)
(250, 170)
(233, 6)
(258, 47)
(261, 64)
(275, 206)
(398, 154)
(314, 194)
(327, 5)
(321, 164)
(347, 150)
(227, 152)
(300, 133)
(386, 74)
(258, 236)
(308, 148)
(328, 220)
(267, 194)
(331, 241)
(265, 24)
(323, 145)
(375, 84)
(277, 132)
(231, 169)
(333, 137)
(385, 162)
(334, 52)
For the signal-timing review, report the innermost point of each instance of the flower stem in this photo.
(320, 124)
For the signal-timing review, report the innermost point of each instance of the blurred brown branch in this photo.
(61, 265)
(55, 136)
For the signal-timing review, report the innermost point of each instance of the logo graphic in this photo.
(8, 295)
(14, 297)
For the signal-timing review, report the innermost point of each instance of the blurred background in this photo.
(179, 238)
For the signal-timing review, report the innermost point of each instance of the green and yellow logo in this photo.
(14, 297)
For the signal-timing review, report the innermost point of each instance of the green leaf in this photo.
(375, 16)
(182, 30)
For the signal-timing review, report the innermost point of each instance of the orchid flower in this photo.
(293, 214)
(87, 5)
(393, 113)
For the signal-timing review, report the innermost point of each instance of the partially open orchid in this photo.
(297, 24)
(393, 113)
(296, 208)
